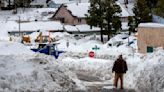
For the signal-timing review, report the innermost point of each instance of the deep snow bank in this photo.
(13, 48)
(21, 70)
(147, 75)
(33, 73)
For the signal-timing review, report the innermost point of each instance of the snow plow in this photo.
(48, 49)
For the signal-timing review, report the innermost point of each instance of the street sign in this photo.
(95, 48)
(91, 54)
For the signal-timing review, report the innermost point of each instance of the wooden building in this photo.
(150, 36)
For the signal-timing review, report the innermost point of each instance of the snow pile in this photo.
(87, 28)
(95, 67)
(34, 73)
(147, 75)
(13, 48)
(3, 31)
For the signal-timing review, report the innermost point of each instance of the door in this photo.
(149, 49)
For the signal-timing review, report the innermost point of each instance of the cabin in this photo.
(72, 14)
(57, 3)
(38, 4)
(124, 14)
(150, 36)
(7, 4)
(75, 13)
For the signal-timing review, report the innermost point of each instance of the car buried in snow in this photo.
(48, 49)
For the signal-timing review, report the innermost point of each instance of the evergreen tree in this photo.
(113, 23)
(152, 3)
(95, 17)
(159, 10)
(142, 12)
(131, 24)
(22, 3)
(104, 14)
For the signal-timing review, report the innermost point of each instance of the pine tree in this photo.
(95, 17)
(152, 3)
(142, 12)
(112, 17)
(159, 10)
(22, 3)
(131, 24)
(104, 14)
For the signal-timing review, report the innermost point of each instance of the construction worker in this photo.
(119, 67)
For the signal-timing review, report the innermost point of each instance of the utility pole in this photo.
(9, 3)
(19, 26)
(101, 28)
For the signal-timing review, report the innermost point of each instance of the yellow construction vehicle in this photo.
(26, 39)
(44, 38)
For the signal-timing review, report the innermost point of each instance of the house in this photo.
(74, 13)
(15, 29)
(150, 36)
(57, 3)
(125, 13)
(38, 4)
(7, 4)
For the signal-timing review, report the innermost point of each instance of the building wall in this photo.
(68, 17)
(64, 13)
(124, 19)
(80, 21)
(153, 37)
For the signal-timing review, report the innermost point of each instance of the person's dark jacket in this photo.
(120, 66)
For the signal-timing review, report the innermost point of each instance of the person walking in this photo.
(120, 68)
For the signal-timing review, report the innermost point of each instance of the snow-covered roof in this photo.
(81, 28)
(38, 2)
(78, 9)
(86, 28)
(61, 1)
(33, 26)
(124, 12)
(151, 25)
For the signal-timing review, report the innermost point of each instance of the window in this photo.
(149, 49)
(62, 20)
(79, 20)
